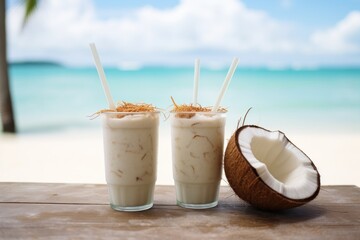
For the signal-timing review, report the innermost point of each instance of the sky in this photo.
(129, 34)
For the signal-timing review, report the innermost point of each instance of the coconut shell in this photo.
(247, 184)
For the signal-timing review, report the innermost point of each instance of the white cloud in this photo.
(343, 38)
(212, 29)
(62, 29)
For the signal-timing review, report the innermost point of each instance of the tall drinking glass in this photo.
(130, 151)
(197, 154)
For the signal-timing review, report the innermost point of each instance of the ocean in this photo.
(57, 98)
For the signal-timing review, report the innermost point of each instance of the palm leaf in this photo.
(30, 6)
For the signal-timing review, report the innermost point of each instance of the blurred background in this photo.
(299, 70)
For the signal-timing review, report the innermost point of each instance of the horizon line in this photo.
(135, 67)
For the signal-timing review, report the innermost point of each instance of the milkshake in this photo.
(130, 151)
(197, 152)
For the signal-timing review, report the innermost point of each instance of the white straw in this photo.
(226, 83)
(102, 76)
(196, 80)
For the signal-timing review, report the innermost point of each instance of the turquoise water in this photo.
(51, 98)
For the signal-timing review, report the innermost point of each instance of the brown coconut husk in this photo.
(247, 184)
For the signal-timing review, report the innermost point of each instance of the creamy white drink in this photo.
(130, 150)
(197, 153)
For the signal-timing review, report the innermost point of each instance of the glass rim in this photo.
(110, 113)
(200, 112)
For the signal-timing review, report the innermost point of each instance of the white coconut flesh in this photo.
(279, 163)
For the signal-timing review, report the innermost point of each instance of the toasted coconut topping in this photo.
(127, 107)
(186, 110)
(189, 107)
(135, 107)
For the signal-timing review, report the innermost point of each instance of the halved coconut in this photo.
(268, 171)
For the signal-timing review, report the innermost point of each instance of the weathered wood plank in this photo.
(97, 194)
(70, 193)
(65, 220)
(63, 211)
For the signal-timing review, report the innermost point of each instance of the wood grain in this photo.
(81, 211)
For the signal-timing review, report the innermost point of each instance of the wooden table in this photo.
(81, 211)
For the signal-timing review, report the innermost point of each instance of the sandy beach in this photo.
(77, 157)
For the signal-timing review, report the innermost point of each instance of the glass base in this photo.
(131, 198)
(197, 195)
(131, 209)
(197, 206)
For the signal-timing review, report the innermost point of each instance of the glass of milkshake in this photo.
(197, 153)
(130, 151)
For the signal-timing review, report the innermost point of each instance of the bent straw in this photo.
(102, 76)
(196, 80)
(226, 83)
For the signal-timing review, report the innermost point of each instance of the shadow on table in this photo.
(295, 215)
